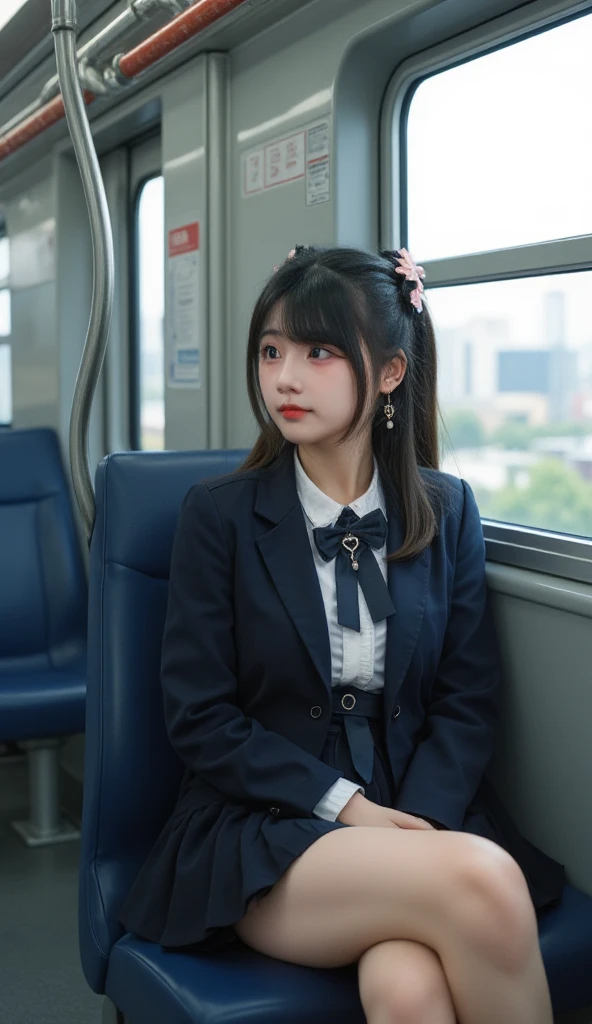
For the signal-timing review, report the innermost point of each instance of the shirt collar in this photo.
(323, 510)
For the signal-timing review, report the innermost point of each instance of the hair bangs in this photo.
(322, 308)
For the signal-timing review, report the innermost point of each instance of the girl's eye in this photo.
(317, 348)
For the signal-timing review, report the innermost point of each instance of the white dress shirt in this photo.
(356, 658)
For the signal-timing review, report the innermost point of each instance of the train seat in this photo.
(132, 776)
(43, 607)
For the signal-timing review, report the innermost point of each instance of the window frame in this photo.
(525, 547)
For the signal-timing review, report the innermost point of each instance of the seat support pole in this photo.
(45, 825)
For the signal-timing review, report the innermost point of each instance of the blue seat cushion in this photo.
(39, 704)
(151, 985)
(239, 986)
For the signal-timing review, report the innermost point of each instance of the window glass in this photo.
(151, 313)
(515, 389)
(4, 313)
(499, 153)
(4, 259)
(5, 385)
(5, 353)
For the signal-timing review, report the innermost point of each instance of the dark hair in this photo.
(340, 296)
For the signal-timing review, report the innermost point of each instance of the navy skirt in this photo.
(209, 862)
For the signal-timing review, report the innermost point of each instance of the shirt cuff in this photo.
(335, 799)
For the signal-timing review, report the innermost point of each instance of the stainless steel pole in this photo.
(64, 30)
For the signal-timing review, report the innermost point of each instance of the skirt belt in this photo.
(357, 706)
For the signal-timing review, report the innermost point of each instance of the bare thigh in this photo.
(356, 887)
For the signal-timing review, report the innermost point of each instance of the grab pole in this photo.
(64, 31)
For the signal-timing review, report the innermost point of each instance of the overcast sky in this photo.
(500, 154)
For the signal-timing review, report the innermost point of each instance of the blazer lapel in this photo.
(286, 551)
(408, 586)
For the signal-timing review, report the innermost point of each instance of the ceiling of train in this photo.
(26, 40)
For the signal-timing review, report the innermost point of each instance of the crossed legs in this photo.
(439, 923)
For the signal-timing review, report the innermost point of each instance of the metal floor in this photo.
(41, 981)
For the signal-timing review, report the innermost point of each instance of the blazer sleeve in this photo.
(450, 759)
(230, 751)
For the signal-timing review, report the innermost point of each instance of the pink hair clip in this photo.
(412, 272)
(288, 257)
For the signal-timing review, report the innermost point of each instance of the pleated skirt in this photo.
(210, 862)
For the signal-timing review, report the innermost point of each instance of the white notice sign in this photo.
(183, 342)
(318, 182)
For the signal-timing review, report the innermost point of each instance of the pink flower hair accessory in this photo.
(408, 267)
(288, 257)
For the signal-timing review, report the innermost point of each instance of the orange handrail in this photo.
(186, 25)
(190, 23)
(45, 117)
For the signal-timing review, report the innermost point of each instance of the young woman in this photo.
(331, 678)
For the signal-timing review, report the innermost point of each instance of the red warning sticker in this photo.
(184, 239)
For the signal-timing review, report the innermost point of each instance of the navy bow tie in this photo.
(350, 540)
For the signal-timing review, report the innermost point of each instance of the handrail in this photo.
(124, 67)
(64, 30)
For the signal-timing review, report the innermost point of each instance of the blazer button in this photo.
(274, 810)
(396, 711)
(316, 712)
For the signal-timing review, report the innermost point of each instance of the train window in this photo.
(492, 196)
(5, 354)
(515, 389)
(496, 151)
(150, 313)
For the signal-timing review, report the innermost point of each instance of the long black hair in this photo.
(340, 296)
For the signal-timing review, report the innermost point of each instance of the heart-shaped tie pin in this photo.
(350, 544)
(349, 539)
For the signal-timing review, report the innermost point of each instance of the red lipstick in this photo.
(293, 412)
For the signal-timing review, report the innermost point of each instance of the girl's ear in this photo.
(393, 373)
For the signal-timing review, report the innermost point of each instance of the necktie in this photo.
(349, 542)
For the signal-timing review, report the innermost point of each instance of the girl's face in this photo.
(317, 378)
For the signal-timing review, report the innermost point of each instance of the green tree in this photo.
(556, 498)
(465, 430)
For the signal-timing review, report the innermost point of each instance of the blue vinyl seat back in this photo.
(43, 591)
(132, 774)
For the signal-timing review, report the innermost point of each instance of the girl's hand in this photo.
(360, 811)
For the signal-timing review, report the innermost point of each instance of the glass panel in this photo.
(515, 385)
(4, 313)
(5, 385)
(498, 150)
(4, 259)
(151, 313)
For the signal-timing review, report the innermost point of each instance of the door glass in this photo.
(150, 315)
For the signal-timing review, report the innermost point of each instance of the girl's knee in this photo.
(494, 903)
(404, 982)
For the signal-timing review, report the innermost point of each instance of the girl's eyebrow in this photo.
(270, 330)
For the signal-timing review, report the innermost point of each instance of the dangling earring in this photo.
(389, 412)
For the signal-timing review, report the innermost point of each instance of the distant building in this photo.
(550, 372)
(526, 370)
(467, 360)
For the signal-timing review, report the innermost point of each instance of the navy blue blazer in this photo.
(246, 653)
